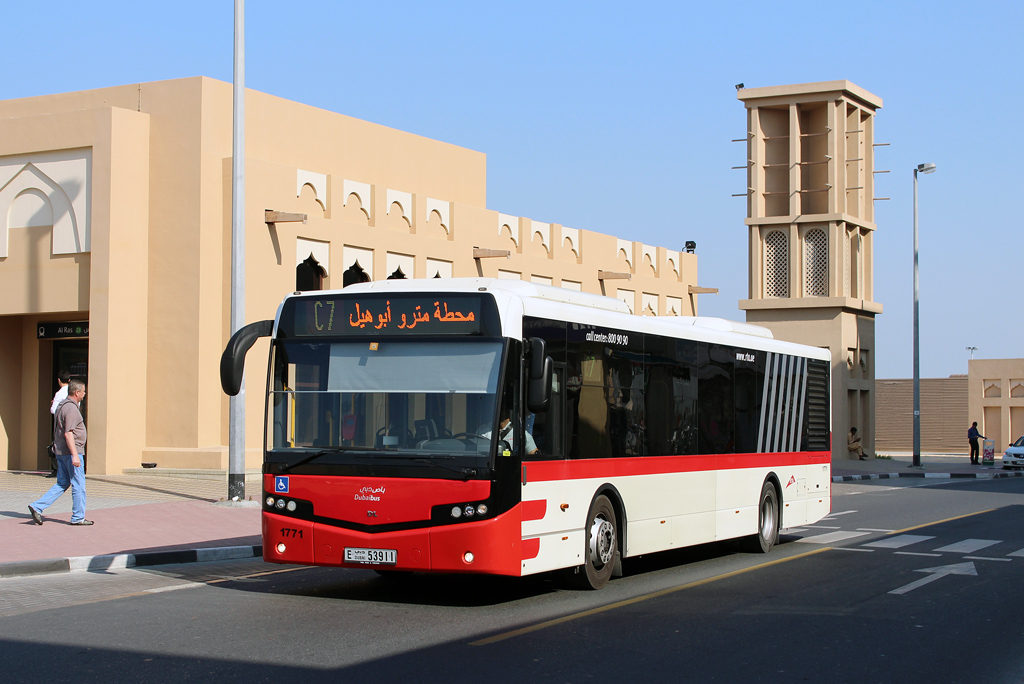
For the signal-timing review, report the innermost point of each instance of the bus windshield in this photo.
(399, 398)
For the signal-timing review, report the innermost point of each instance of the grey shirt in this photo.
(68, 419)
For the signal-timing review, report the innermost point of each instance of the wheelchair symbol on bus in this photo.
(281, 484)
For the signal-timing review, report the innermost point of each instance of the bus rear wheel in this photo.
(601, 548)
(767, 522)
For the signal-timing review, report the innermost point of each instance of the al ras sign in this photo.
(52, 330)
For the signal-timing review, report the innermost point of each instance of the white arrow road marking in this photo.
(936, 573)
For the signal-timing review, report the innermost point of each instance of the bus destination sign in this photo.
(429, 313)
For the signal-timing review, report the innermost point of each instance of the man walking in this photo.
(69, 442)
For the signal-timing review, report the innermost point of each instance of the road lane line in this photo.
(967, 546)
(258, 574)
(638, 599)
(899, 542)
(831, 537)
(852, 548)
(939, 522)
(918, 553)
(1019, 553)
(872, 529)
(1004, 560)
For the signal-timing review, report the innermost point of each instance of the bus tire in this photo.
(601, 546)
(767, 522)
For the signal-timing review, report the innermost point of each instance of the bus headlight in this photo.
(456, 512)
(280, 503)
(470, 511)
(270, 501)
(291, 506)
(482, 509)
(468, 557)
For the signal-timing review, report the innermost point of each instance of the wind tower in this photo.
(811, 219)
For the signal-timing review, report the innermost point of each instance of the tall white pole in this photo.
(917, 350)
(236, 413)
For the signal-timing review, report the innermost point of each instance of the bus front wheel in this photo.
(767, 522)
(601, 535)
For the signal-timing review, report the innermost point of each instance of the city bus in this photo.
(510, 428)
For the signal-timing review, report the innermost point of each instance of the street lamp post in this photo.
(236, 404)
(923, 168)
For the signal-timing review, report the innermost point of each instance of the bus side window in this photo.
(547, 429)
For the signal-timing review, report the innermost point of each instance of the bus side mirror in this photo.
(538, 387)
(232, 361)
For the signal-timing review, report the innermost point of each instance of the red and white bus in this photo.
(509, 428)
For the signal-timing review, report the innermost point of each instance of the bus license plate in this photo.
(371, 556)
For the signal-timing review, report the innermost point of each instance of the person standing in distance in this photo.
(69, 441)
(972, 437)
(63, 378)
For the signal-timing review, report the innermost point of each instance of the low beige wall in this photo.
(944, 420)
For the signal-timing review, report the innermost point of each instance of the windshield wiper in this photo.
(465, 472)
(312, 457)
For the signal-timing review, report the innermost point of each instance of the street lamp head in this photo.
(926, 168)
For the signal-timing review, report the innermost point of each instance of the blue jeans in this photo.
(68, 475)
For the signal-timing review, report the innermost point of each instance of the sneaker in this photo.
(83, 521)
(35, 516)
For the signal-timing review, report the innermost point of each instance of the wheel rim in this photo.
(767, 519)
(602, 542)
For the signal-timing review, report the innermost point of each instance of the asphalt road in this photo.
(908, 582)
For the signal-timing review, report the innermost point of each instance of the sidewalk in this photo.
(932, 466)
(140, 520)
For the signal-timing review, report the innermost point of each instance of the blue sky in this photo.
(577, 104)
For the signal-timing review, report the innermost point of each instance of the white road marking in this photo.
(174, 587)
(937, 572)
(871, 529)
(1019, 553)
(833, 515)
(1004, 560)
(914, 553)
(853, 548)
(899, 541)
(823, 527)
(968, 546)
(830, 537)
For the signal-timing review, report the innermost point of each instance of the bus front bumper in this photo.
(492, 546)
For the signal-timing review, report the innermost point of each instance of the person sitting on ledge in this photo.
(853, 444)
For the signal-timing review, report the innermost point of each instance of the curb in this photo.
(937, 476)
(126, 560)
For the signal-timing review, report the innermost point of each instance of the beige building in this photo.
(996, 399)
(810, 214)
(115, 221)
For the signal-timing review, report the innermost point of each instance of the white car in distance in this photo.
(1013, 457)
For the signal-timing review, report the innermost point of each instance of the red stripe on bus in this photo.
(534, 510)
(531, 548)
(578, 469)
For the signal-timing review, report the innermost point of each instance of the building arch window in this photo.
(354, 274)
(815, 263)
(309, 275)
(397, 275)
(776, 264)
